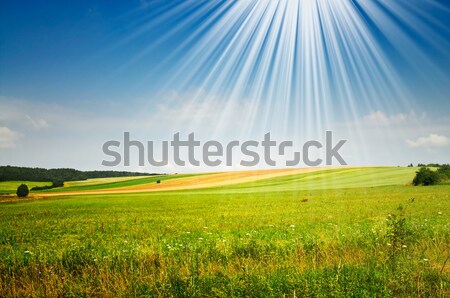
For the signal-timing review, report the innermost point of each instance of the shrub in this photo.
(54, 184)
(22, 191)
(158, 181)
(444, 170)
(425, 176)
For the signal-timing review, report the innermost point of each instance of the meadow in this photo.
(353, 232)
(10, 187)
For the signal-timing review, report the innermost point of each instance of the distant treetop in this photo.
(11, 173)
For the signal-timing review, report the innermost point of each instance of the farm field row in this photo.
(247, 181)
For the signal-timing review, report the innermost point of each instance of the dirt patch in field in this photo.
(196, 182)
(95, 181)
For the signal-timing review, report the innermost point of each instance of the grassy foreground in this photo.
(330, 241)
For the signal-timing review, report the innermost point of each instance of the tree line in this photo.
(431, 165)
(57, 176)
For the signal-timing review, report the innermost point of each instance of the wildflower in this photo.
(389, 244)
(27, 252)
(425, 260)
(292, 226)
(404, 246)
(440, 213)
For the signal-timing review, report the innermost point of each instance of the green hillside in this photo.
(360, 232)
(334, 179)
(127, 182)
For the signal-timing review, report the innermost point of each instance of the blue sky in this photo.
(74, 74)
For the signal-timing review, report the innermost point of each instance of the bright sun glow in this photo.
(374, 72)
(295, 64)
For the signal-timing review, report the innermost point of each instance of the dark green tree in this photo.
(22, 191)
(444, 170)
(425, 176)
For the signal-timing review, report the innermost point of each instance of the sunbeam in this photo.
(300, 65)
(295, 68)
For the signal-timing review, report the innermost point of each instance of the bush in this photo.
(22, 191)
(444, 170)
(158, 181)
(425, 176)
(54, 184)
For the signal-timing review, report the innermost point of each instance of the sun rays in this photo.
(300, 65)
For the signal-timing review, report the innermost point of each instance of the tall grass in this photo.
(339, 243)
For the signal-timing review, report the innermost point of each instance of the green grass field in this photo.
(361, 232)
(333, 179)
(7, 187)
(98, 184)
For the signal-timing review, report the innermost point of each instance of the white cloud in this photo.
(36, 123)
(211, 109)
(378, 118)
(433, 140)
(7, 137)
